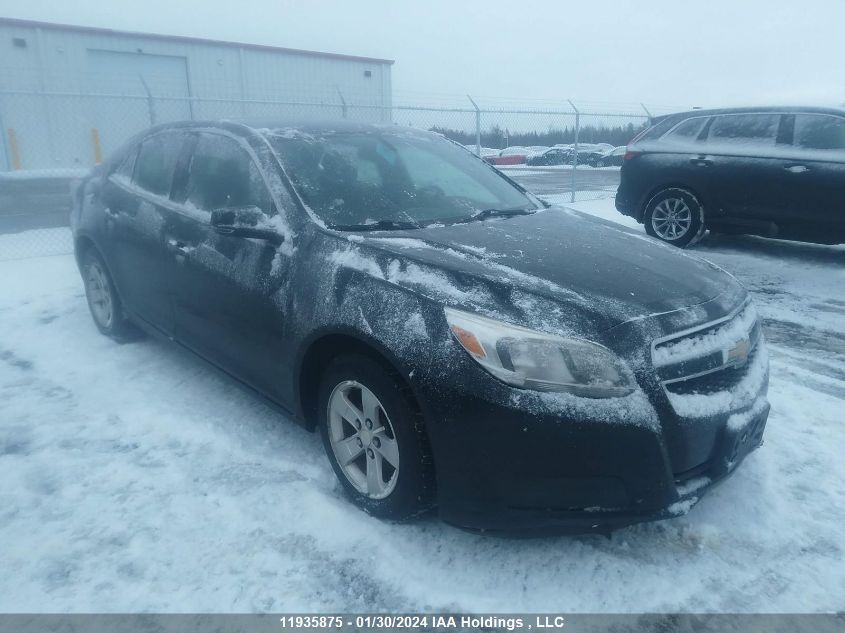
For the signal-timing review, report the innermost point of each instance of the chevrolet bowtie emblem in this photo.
(738, 354)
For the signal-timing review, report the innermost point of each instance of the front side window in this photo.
(223, 175)
(156, 162)
(365, 178)
(820, 132)
(753, 130)
(127, 166)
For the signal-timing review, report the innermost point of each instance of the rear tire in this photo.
(103, 300)
(675, 216)
(374, 438)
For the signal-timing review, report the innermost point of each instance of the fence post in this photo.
(477, 126)
(575, 150)
(648, 114)
(150, 101)
(343, 107)
(5, 165)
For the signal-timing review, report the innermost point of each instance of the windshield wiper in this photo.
(497, 213)
(381, 225)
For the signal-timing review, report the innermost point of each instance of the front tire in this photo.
(374, 438)
(103, 300)
(675, 216)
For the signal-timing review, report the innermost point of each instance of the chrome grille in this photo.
(710, 358)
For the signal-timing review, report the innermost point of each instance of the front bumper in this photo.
(514, 468)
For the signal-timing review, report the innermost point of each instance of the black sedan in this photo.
(552, 156)
(457, 343)
(611, 158)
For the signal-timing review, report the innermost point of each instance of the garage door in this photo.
(126, 110)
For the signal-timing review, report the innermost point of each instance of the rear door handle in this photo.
(700, 161)
(797, 169)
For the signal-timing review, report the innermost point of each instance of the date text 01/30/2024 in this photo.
(457, 622)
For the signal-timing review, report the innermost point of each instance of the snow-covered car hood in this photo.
(582, 263)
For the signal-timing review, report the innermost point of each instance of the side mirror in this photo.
(244, 222)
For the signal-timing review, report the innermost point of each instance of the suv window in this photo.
(745, 129)
(688, 130)
(819, 132)
(156, 162)
(222, 174)
(657, 130)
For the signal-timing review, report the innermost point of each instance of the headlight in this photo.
(539, 361)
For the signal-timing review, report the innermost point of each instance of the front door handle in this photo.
(797, 169)
(700, 161)
(179, 248)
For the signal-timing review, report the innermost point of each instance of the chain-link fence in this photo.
(51, 139)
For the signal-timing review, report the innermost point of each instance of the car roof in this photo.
(269, 126)
(789, 109)
(252, 128)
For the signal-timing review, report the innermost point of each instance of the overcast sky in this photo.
(664, 53)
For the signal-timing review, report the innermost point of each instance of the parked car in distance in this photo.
(552, 156)
(514, 155)
(534, 150)
(485, 151)
(578, 380)
(589, 153)
(563, 155)
(612, 158)
(771, 171)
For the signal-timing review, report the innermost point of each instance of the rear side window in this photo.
(156, 163)
(223, 175)
(657, 130)
(688, 130)
(756, 130)
(819, 132)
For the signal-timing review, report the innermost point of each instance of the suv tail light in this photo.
(630, 153)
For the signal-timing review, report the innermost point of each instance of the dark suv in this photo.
(776, 172)
(456, 342)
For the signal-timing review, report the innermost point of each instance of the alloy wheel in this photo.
(671, 219)
(98, 293)
(363, 440)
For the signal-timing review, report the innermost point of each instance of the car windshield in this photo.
(387, 179)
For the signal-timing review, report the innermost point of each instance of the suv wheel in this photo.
(103, 302)
(374, 438)
(676, 217)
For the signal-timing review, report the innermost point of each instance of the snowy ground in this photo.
(133, 478)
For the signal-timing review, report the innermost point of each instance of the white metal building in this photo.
(69, 94)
